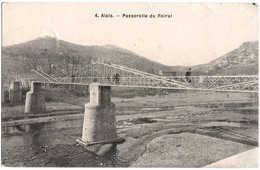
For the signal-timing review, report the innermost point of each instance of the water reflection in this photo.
(41, 134)
(108, 154)
(112, 159)
(24, 135)
(34, 135)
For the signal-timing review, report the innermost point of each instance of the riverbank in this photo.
(190, 134)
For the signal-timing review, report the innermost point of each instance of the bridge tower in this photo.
(99, 125)
(15, 92)
(35, 99)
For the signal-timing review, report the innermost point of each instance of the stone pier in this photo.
(35, 99)
(5, 97)
(15, 92)
(99, 126)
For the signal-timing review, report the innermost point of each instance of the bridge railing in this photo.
(124, 81)
(210, 82)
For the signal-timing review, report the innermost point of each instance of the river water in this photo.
(34, 137)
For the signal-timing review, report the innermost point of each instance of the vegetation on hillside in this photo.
(60, 58)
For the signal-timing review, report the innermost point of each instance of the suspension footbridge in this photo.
(109, 74)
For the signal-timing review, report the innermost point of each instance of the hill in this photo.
(241, 61)
(49, 52)
(62, 58)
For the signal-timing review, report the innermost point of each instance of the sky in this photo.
(196, 33)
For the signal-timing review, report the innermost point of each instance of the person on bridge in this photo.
(188, 74)
(117, 78)
(72, 78)
(108, 78)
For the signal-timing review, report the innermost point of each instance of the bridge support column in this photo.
(15, 92)
(5, 96)
(99, 126)
(35, 99)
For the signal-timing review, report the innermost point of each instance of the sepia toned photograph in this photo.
(127, 84)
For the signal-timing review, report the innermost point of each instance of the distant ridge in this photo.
(48, 52)
(241, 61)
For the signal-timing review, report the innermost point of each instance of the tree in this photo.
(151, 70)
(4, 77)
(34, 58)
(72, 61)
(46, 54)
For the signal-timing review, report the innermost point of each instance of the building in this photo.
(167, 73)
